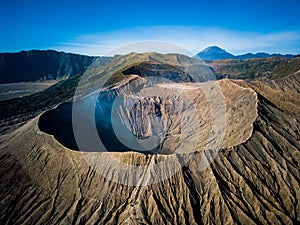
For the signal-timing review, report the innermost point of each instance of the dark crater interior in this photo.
(58, 122)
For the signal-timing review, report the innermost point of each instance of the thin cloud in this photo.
(192, 39)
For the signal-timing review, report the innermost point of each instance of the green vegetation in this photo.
(117, 77)
(271, 68)
(33, 104)
(38, 102)
(163, 70)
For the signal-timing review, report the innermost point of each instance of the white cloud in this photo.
(192, 39)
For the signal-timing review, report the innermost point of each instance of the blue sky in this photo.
(97, 27)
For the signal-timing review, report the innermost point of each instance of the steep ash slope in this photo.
(254, 182)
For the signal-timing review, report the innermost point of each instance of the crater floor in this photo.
(165, 118)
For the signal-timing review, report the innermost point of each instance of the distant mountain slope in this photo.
(214, 53)
(217, 53)
(262, 55)
(37, 64)
(262, 68)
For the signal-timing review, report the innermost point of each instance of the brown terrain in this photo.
(228, 154)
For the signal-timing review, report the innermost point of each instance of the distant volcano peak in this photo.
(214, 53)
(217, 53)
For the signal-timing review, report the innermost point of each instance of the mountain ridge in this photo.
(36, 65)
(217, 53)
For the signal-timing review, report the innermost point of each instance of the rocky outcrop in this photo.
(145, 111)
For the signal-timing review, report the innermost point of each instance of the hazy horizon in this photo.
(168, 52)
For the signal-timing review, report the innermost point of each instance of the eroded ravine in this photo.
(255, 181)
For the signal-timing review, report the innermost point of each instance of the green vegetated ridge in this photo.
(40, 101)
(269, 68)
